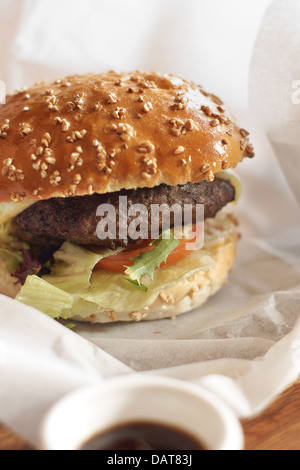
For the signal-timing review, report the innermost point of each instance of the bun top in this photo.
(88, 134)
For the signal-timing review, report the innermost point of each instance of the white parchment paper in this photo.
(244, 344)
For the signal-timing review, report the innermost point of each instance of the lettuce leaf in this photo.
(10, 247)
(148, 261)
(70, 274)
(45, 297)
(110, 291)
(73, 288)
(72, 268)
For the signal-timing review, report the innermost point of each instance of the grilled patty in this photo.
(74, 218)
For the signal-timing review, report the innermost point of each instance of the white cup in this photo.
(83, 414)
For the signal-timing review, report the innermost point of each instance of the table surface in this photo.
(278, 428)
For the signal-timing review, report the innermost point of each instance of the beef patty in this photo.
(74, 218)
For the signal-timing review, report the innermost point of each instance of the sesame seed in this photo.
(100, 165)
(4, 129)
(167, 298)
(207, 110)
(77, 178)
(55, 178)
(77, 135)
(25, 108)
(224, 164)
(244, 133)
(72, 189)
(25, 128)
(146, 175)
(80, 134)
(17, 197)
(189, 125)
(207, 172)
(36, 166)
(75, 156)
(176, 123)
(97, 107)
(46, 141)
(146, 147)
(214, 123)
(8, 161)
(65, 125)
(179, 150)
(118, 113)
(178, 106)
(147, 107)
(48, 152)
(112, 99)
(90, 190)
(243, 144)
(5, 171)
(216, 100)
(50, 160)
(250, 151)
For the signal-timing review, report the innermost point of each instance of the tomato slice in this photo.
(119, 262)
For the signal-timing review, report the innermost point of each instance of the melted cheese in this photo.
(9, 210)
(234, 181)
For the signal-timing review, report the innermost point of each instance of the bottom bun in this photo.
(221, 239)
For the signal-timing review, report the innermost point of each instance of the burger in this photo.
(90, 141)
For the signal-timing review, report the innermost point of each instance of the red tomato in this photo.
(120, 261)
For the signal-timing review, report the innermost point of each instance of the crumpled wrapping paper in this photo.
(244, 344)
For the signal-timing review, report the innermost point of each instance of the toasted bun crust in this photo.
(102, 133)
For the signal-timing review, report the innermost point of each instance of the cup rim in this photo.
(233, 438)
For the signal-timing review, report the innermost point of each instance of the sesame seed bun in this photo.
(89, 134)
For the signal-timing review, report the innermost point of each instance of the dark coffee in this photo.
(143, 436)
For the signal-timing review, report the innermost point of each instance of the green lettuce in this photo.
(45, 297)
(10, 247)
(110, 291)
(72, 268)
(148, 261)
(75, 288)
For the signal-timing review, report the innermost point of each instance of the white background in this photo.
(209, 42)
